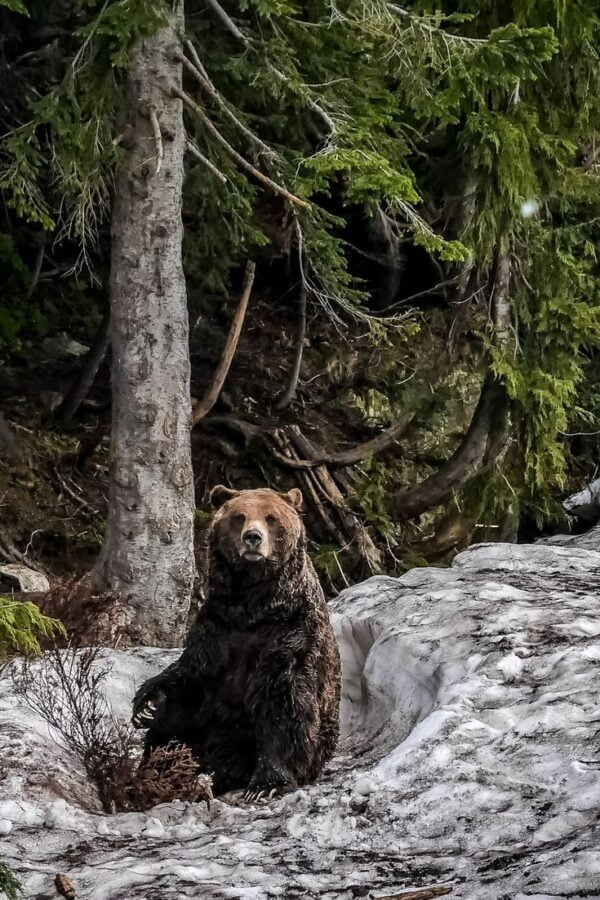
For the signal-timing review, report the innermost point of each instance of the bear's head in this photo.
(257, 528)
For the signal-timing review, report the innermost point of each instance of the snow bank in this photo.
(469, 757)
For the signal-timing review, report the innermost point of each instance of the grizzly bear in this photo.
(256, 691)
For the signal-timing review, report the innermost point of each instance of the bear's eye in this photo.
(239, 518)
(271, 520)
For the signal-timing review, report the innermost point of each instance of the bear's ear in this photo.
(220, 495)
(294, 498)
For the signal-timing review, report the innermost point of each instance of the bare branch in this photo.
(212, 395)
(354, 454)
(241, 161)
(207, 85)
(158, 142)
(228, 22)
(209, 165)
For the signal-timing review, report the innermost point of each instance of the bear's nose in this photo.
(252, 537)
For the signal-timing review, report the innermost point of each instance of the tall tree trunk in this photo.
(148, 551)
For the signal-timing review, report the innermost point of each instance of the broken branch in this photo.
(211, 396)
(241, 161)
(158, 141)
(203, 159)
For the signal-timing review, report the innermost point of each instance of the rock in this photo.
(469, 756)
(18, 577)
(585, 504)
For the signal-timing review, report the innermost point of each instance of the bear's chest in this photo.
(244, 658)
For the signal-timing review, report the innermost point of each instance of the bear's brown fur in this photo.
(256, 691)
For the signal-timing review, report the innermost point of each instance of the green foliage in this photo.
(15, 6)
(9, 884)
(21, 626)
(370, 497)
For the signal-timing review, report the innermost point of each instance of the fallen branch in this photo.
(353, 527)
(239, 159)
(203, 159)
(355, 454)
(290, 391)
(211, 396)
(420, 894)
(246, 430)
(158, 141)
(206, 84)
(306, 481)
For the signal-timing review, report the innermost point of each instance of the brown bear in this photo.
(255, 693)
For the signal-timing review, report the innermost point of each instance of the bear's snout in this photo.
(252, 538)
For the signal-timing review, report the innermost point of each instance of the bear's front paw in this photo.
(145, 706)
(267, 785)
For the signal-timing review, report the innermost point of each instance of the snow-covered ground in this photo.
(470, 757)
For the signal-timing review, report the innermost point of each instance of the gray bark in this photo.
(148, 551)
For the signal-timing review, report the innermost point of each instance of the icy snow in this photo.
(469, 757)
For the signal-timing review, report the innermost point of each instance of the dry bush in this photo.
(90, 618)
(65, 688)
(168, 773)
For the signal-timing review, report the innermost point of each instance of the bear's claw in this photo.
(144, 716)
(254, 796)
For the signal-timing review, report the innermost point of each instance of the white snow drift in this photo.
(470, 757)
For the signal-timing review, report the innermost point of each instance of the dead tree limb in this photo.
(37, 268)
(237, 157)
(191, 148)
(86, 376)
(212, 395)
(420, 894)
(356, 533)
(355, 454)
(308, 486)
(206, 84)
(292, 385)
(158, 141)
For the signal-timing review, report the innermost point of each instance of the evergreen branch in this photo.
(204, 81)
(420, 22)
(152, 115)
(209, 165)
(239, 159)
(235, 31)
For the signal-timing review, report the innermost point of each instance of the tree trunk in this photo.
(148, 551)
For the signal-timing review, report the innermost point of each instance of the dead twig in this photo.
(158, 141)
(420, 894)
(206, 84)
(237, 157)
(212, 395)
(203, 159)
